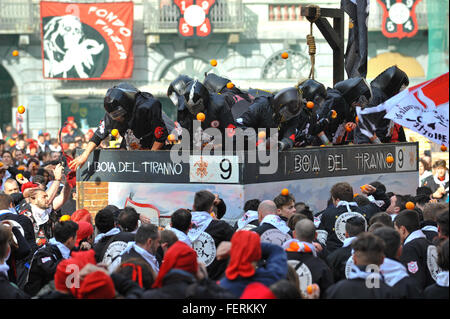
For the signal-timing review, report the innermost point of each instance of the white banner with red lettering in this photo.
(423, 109)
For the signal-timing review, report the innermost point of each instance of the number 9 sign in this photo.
(214, 169)
(194, 19)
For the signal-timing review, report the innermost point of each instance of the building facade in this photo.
(247, 41)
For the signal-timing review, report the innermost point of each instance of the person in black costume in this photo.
(136, 115)
(281, 111)
(373, 125)
(343, 99)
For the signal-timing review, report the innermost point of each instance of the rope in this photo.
(311, 42)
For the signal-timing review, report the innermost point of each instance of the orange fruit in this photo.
(390, 159)
(21, 168)
(363, 188)
(284, 55)
(171, 138)
(356, 194)
(348, 128)
(309, 289)
(114, 132)
(201, 117)
(1, 164)
(310, 104)
(19, 176)
(21, 109)
(285, 192)
(230, 85)
(262, 134)
(323, 145)
(356, 119)
(333, 114)
(443, 148)
(410, 205)
(15, 53)
(213, 62)
(64, 218)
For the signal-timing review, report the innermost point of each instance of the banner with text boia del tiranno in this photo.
(89, 41)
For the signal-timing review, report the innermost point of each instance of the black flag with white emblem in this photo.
(357, 45)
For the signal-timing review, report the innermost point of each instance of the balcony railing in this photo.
(226, 16)
(285, 12)
(376, 15)
(18, 17)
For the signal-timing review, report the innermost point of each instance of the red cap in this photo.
(257, 290)
(85, 230)
(71, 266)
(81, 215)
(96, 285)
(178, 256)
(245, 248)
(28, 185)
(70, 119)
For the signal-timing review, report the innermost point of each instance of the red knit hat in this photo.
(81, 215)
(257, 290)
(85, 230)
(96, 285)
(28, 185)
(245, 248)
(64, 268)
(178, 256)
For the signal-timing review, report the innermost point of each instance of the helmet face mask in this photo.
(174, 98)
(195, 107)
(290, 111)
(288, 103)
(119, 102)
(353, 89)
(196, 97)
(118, 114)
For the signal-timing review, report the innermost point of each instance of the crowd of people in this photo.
(375, 244)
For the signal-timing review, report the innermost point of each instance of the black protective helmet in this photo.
(215, 83)
(390, 81)
(311, 89)
(354, 89)
(288, 103)
(196, 97)
(119, 100)
(178, 86)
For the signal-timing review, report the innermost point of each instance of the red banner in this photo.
(87, 41)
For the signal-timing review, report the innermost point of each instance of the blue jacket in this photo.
(275, 269)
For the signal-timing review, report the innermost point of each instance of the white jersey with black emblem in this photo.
(205, 247)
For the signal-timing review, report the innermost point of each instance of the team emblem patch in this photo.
(433, 267)
(215, 123)
(303, 273)
(114, 250)
(205, 247)
(413, 267)
(274, 236)
(159, 131)
(339, 226)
